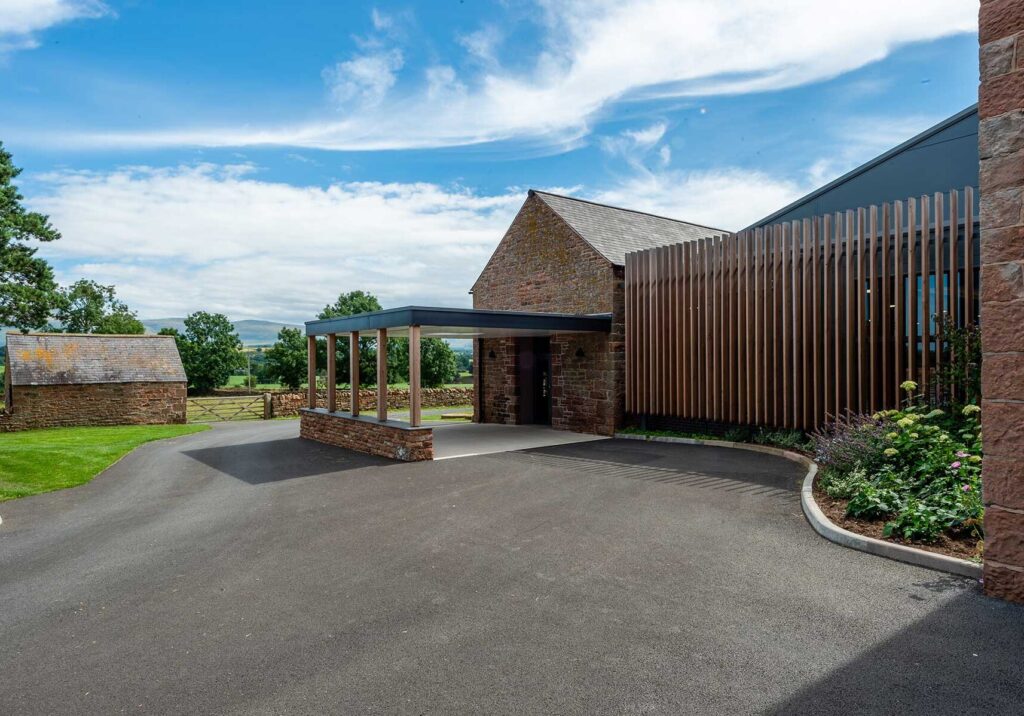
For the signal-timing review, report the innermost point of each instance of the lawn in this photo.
(36, 461)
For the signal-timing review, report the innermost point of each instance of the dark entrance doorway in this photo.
(534, 381)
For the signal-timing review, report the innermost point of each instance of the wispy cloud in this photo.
(217, 237)
(593, 55)
(22, 20)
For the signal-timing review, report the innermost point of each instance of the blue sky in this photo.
(259, 158)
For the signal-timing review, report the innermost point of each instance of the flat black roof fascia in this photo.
(462, 318)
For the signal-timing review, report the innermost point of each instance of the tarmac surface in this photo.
(245, 571)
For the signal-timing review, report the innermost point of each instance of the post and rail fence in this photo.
(794, 324)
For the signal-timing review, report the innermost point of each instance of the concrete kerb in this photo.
(822, 524)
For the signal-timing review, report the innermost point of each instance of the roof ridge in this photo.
(622, 208)
(89, 335)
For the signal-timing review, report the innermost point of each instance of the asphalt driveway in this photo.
(242, 570)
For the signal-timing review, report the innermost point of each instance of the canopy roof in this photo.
(462, 323)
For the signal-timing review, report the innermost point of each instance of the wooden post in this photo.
(382, 374)
(311, 373)
(332, 378)
(414, 376)
(353, 371)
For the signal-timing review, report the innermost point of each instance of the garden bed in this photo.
(959, 546)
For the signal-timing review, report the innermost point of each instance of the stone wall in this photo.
(1001, 149)
(285, 404)
(500, 392)
(365, 434)
(541, 264)
(50, 406)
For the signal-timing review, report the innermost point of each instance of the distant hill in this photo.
(253, 332)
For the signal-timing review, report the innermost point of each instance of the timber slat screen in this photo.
(794, 324)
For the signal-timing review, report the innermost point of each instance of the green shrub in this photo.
(918, 468)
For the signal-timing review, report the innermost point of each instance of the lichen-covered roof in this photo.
(71, 359)
(615, 232)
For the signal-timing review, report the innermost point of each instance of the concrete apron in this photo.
(468, 439)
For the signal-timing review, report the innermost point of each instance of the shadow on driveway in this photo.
(276, 460)
(692, 465)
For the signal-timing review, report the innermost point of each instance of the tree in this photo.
(437, 362)
(210, 349)
(88, 307)
(28, 291)
(286, 359)
(349, 304)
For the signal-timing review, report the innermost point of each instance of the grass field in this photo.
(36, 461)
(433, 415)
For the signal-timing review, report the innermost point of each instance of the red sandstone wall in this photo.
(409, 445)
(50, 406)
(284, 404)
(542, 265)
(1001, 146)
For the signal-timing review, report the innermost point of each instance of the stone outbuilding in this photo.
(60, 380)
(563, 255)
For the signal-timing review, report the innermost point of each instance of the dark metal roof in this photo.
(462, 322)
(939, 159)
(615, 232)
(74, 359)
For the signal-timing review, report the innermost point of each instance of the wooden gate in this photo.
(231, 407)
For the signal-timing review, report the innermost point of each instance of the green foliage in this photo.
(286, 360)
(28, 291)
(350, 304)
(87, 307)
(918, 468)
(959, 378)
(786, 439)
(437, 362)
(464, 360)
(210, 350)
(38, 461)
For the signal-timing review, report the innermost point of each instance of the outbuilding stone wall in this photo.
(1001, 149)
(51, 406)
(543, 265)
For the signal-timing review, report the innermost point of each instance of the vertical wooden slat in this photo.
(839, 254)
(955, 311)
(784, 321)
(729, 288)
(332, 378)
(630, 331)
(940, 277)
(382, 374)
(414, 376)
(691, 338)
(926, 304)
(969, 292)
(874, 319)
(311, 372)
(353, 372)
(748, 329)
(913, 304)
(808, 328)
(816, 374)
(679, 328)
(857, 294)
(886, 301)
(899, 299)
(829, 376)
(776, 330)
(705, 328)
(851, 314)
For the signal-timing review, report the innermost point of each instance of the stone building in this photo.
(563, 255)
(59, 380)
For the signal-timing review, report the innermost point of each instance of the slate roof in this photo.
(73, 359)
(614, 232)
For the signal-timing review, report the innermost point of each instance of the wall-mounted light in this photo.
(491, 354)
(580, 353)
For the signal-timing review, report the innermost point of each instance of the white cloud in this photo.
(21, 20)
(593, 55)
(364, 79)
(179, 239)
(728, 199)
